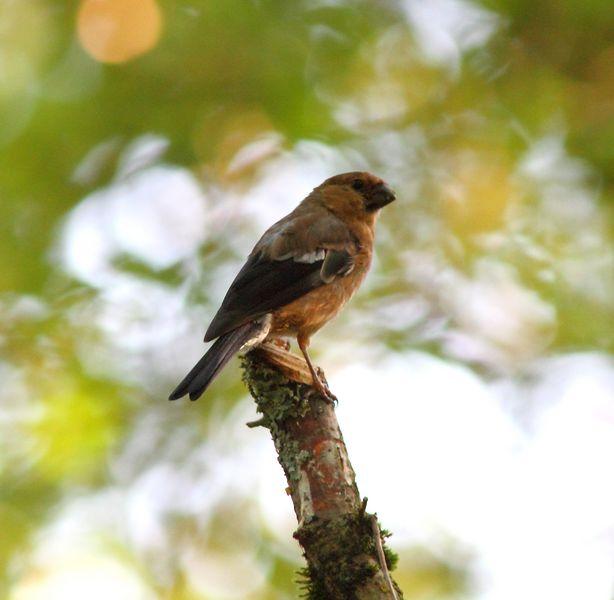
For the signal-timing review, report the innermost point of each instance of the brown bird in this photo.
(299, 275)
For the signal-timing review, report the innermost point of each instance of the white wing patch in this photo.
(311, 257)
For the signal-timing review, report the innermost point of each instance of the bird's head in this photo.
(357, 194)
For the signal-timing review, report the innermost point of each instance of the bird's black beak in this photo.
(380, 196)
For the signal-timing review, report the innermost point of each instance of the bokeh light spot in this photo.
(75, 430)
(115, 31)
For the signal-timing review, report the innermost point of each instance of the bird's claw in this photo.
(331, 398)
(325, 393)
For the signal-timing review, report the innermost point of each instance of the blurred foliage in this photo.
(493, 120)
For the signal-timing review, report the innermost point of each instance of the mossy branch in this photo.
(345, 557)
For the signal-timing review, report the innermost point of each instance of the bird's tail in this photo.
(222, 350)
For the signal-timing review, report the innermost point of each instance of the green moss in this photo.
(309, 586)
(342, 545)
(392, 558)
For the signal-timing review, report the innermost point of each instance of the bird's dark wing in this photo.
(336, 264)
(266, 283)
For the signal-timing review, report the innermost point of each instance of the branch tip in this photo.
(363, 507)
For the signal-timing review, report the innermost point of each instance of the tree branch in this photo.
(343, 546)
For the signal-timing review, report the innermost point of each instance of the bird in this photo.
(298, 276)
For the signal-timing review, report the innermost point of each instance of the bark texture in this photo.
(342, 543)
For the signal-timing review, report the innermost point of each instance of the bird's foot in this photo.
(324, 391)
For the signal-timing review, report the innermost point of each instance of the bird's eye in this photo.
(358, 184)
